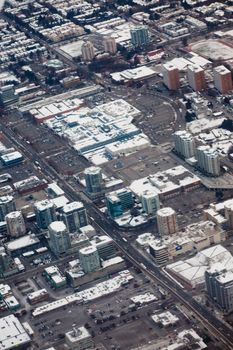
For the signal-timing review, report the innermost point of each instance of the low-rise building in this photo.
(12, 333)
(165, 319)
(79, 339)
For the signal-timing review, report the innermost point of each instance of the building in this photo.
(93, 180)
(221, 213)
(15, 224)
(74, 216)
(55, 277)
(114, 206)
(159, 252)
(229, 214)
(12, 333)
(165, 319)
(59, 238)
(6, 263)
(166, 221)
(125, 195)
(79, 339)
(7, 205)
(150, 202)
(192, 271)
(88, 51)
(222, 79)
(11, 158)
(139, 36)
(38, 296)
(119, 201)
(171, 76)
(89, 259)
(219, 285)
(105, 245)
(168, 183)
(45, 213)
(23, 244)
(208, 160)
(8, 95)
(110, 45)
(196, 78)
(184, 143)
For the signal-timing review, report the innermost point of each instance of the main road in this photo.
(218, 330)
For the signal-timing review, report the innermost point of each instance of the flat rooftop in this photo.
(12, 333)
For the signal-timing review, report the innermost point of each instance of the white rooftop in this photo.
(22, 242)
(12, 333)
(167, 211)
(77, 334)
(165, 318)
(57, 226)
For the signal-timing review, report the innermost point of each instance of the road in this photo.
(216, 328)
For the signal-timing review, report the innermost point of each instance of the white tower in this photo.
(167, 221)
(89, 259)
(15, 224)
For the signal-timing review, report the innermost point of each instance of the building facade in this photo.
(167, 221)
(150, 202)
(219, 285)
(139, 36)
(74, 216)
(7, 205)
(59, 238)
(222, 79)
(45, 213)
(208, 160)
(184, 143)
(171, 77)
(15, 224)
(110, 45)
(93, 180)
(196, 78)
(89, 259)
(88, 51)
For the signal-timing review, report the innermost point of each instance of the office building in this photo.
(59, 238)
(15, 224)
(89, 259)
(222, 79)
(184, 144)
(150, 202)
(45, 213)
(79, 339)
(208, 160)
(88, 51)
(8, 95)
(74, 216)
(171, 77)
(125, 195)
(7, 205)
(139, 36)
(110, 45)
(93, 180)
(114, 206)
(166, 221)
(159, 253)
(196, 78)
(105, 245)
(219, 285)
